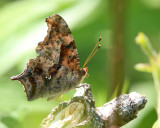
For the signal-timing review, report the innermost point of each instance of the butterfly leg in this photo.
(61, 98)
(53, 98)
(81, 85)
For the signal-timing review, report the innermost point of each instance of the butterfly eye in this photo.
(84, 71)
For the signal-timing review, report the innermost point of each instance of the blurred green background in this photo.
(22, 26)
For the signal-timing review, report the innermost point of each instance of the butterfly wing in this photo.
(56, 66)
(59, 44)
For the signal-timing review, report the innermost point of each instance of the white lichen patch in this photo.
(69, 117)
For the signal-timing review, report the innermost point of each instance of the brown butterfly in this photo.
(56, 68)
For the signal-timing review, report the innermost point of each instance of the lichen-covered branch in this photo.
(80, 111)
(121, 110)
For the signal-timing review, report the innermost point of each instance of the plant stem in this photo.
(156, 78)
(117, 55)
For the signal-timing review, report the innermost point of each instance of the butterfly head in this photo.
(84, 71)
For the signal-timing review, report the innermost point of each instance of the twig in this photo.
(80, 111)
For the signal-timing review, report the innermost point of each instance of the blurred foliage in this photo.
(22, 26)
(156, 124)
(153, 66)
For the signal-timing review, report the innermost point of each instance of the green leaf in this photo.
(10, 122)
(145, 44)
(2, 125)
(143, 67)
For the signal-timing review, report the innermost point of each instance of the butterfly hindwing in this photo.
(56, 69)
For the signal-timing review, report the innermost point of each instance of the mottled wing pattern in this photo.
(57, 63)
(59, 44)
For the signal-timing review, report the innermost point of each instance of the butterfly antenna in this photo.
(93, 52)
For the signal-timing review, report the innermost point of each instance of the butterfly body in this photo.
(56, 68)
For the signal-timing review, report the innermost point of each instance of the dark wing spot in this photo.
(73, 57)
(33, 86)
(71, 45)
(38, 70)
(58, 81)
(57, 66)
(61, 40)
(57, 29)
(54, 69)
(50, 33)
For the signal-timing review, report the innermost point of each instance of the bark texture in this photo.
(80, 111)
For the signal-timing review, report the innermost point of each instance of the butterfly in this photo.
(56, 68)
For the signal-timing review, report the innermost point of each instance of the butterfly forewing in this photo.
(56, 69)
